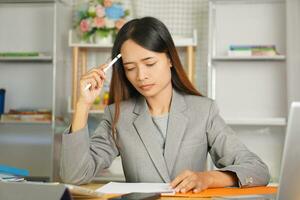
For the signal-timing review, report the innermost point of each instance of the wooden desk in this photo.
(95, 186)
(210, 192)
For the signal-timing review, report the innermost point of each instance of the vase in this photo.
(101, 40)
(85, 40)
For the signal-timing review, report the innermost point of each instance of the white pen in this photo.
(106, 68)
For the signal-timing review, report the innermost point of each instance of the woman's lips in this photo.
(146, 86)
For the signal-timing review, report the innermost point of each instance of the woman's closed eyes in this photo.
(150, 64)
(132, 67)
(129, 68)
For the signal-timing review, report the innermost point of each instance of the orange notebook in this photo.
(227, 192)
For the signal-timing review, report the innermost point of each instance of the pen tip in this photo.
(119, 55)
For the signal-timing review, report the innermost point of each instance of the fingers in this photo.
(179, 178)
(96, 80)
(187, 181)
(96, 72)
(198, 188)
(102, 67)
(187, 184)
(95, 77)
(85, 81)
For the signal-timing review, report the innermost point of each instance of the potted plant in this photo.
(98, 21)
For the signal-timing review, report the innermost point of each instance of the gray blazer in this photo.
(194, 129)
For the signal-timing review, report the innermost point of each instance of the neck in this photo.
(160, 104)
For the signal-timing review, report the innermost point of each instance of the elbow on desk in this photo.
(74, 180)
(257, 175)
(266, 177)
(263, 173)
(73, 176)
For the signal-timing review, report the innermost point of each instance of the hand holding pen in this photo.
(106, 68)
(91, 83)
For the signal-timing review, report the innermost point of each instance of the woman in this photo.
(159, 124)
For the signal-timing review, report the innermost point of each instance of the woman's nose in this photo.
(142, 74)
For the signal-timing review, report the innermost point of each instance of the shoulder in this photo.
(199, 105)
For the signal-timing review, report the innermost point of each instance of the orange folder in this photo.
(227, 192)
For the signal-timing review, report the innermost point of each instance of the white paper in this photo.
(124, 188)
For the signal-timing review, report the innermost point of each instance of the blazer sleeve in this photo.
(230, 154)
(82, 157)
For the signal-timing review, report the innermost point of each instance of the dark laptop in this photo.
(33, 191)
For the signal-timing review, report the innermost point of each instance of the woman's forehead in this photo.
(131, 46)
(131, 51)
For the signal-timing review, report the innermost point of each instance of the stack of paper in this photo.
(166, 190)
(124, 188)
(9, 177)
(8, 173)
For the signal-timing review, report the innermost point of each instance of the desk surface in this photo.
(256, 191)
(95, 186)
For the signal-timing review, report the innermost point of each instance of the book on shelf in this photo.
(252, 50)
(19, 54)
(27, 116)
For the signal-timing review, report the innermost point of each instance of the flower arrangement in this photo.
(99, 18)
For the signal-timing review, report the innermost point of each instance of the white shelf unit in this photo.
(36, 75)
(80, 50)
(30, 82)
(259, 121)
(179, 41)
(40, 58)
(250, 91)
(249, 58)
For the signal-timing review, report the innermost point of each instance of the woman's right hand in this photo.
(96, 78)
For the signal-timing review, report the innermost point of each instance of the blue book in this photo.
(250, 47)
(13, 171)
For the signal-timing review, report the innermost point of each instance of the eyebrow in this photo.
(144, 59)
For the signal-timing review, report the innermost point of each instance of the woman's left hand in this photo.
(190, 180)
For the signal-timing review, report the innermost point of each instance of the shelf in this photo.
(27, 1)
(40, 58)
(178, 40)
(257, 121)
(24, 129)
(91, 111)
(25, 122)
(249, 58)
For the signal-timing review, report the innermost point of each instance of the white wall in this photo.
(26, 27)
(293, 49)
(64, 60)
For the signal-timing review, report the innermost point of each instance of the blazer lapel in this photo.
(146, 130)
(176, 129)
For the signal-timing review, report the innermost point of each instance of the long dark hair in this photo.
(153, 35)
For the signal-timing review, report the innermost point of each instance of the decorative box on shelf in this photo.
(25, 56)
(249, 58)
(27, 116)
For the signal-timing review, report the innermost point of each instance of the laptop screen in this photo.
(290, 174)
